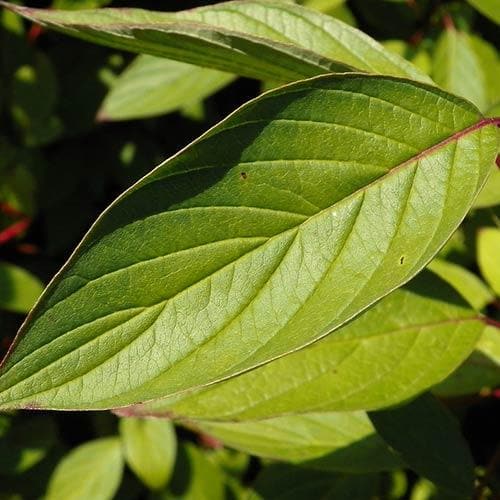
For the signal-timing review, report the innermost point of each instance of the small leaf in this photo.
(428, 439)
(270, 40)
(153, 86)
(19, 289)
(343, 441)
(488, 8)
(149, 448)
(92, 470)
(488, 256)
(457, 68)
(470, 287)
(359, 367)
(248, 245)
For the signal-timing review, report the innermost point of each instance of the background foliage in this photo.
(80, 123)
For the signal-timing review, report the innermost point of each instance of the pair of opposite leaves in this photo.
(275, 228)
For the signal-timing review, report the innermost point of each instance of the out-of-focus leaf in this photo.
(18, 188)
(490, 194)
(428, 439)
(359, 367)
(19, 289)
(152, 86)
(456, 68)
(468, 285)
(488, 256)
(276, 41)
(489, 8)
(149, 447)
(195, 477)
(90, 471)
(25, 443)
(79, 4)
(286, 482)
(34, 96)
(419, 56)
(343, 441)
(480, 373)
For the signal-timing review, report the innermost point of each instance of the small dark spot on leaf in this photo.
(243, 175)
(402, 259)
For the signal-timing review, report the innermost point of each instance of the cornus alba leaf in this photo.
(273, 229)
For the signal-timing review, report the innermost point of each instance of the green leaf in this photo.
(456, 68)
(248, 245)
(490, 194)
(196, 477)
(480, 373)
(19, 289)
(152, 86)
(285, 482)
(343, 441)
(489, 8)
(488, 252)
(271, 40)
(149, 447)
(92, 470)
(468, 285)
(428, 439)
(358, 367)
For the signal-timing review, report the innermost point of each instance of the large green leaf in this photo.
(344, 441)
(92, 470)
(262, 39)
(457, 68)
(428, 439)
(149, 447)
(426, 324)
(151, 86)
(273, 229)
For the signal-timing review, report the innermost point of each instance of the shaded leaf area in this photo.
(277, 41)
(344, 441)
(409, 341)
(428, 439)
(285, 482)
(152, 86)
(223, 259)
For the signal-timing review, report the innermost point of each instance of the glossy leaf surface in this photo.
(152, 86)
(428, 439)
(247, 246)
(343, 441)
(272, 40)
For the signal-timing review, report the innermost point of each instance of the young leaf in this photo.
(92, 470)
(359, 367)
(488, 249)
(428, 439)
(456, 68)
(149, 447)
(468, 285)
(273, 229)
(19, 289)
(344, 441)
(488, 8)
(152, 86)
(262, 39)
